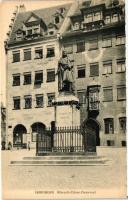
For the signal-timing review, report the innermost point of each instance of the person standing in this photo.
(29, 146)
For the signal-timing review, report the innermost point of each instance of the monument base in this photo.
(67, 118)
(67, 113)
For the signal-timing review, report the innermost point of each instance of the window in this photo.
(51, 32)
(57, 19)
(97, 16)
(50, 52)
(81, 72)
(108, 94)
(121, 65)
(76, 26)
(16, 56)
(27, 54)
(122, 123)
(36, 30)
(28, 102)
(68, 48)
(16, 103)
(94, 69)
(29, 32)
(38, 77)
(16, 79)
(50, 75)
(123, 143)
(82, 97)
(107, 42)
(109, 125)
(108, 19)
(93, 44)
(62, 10)
(115, 18)
(51, 97)
(93, 98)
(39, 101)
(38, 53)
(89, 18)
(120, 39)
(80, 46)
(107, 67)
(110, 143)
(19, 35)
(121, 92)
(27, 78)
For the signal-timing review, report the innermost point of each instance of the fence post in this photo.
(53, 128)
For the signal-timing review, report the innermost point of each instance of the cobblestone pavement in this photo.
(105, 178)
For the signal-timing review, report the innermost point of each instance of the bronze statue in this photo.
(65, 73)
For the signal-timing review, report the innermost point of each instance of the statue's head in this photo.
(64, 53)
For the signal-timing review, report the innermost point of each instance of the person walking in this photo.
(29, 146)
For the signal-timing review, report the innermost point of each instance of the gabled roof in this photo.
(32, 15)
(45, 14)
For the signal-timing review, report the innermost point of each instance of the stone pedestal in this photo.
(67, 113)
(67, 120)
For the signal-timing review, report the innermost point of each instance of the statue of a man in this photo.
(65, 73)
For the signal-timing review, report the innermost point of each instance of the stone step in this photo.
(63, 157)
(59, 162)
(40, 153)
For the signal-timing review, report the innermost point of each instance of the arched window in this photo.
(19, 135)
(37, 128)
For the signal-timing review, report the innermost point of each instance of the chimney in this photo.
(22, 8)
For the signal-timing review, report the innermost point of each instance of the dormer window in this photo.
(115, 2)
(62, 10)
(57, 19)
(29, 32)
(19, 35)
(32, 31)
(36, 30)
(97, 16)
(115, 18)
(108, 19)
(51, 32)
(76, 26)
(51, 29)
(89, 18)
(34, 27)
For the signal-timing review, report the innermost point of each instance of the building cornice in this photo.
(105, 28)
(31, 42)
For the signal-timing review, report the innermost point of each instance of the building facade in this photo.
(95, 40)
(33, 52)
(93, 34)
